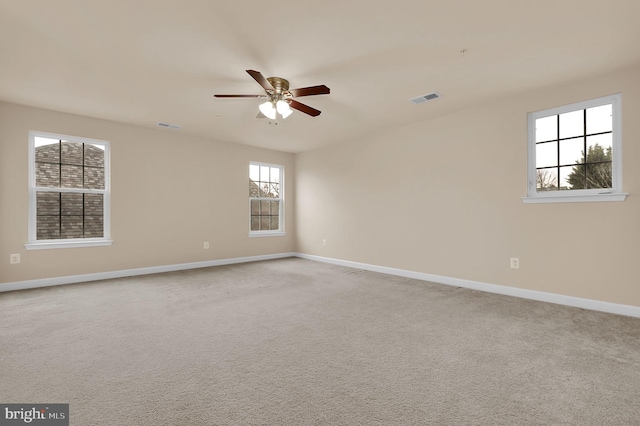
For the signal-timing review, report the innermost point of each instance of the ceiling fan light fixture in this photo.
(280, 98)
(268, 109)
(283, 109)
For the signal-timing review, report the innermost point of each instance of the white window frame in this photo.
(35, 244)
(578, 195)
(275, 233)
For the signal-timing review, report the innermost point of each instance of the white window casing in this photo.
(46, 241)
(266, 200)
(558, 167)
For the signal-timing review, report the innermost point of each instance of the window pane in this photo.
(599, 175)
(255, 207)
(546, 154)
(565, 176)
(264, 208)
(93, 178)
(264, 223)
(275, 223)
(600, 119)
(71, 153)
(275, 174)
(264, 173)
(547, 179)
(71, 176)
(274, 189)
(71, 227)
(571, 151)
(254, 173)
(599, 167)
(47, 175)
(94, 155)
(275, 208)
(264, 189)
(41, 141)
(47, 203)
(47, 150)
(47, 215)
(597, 153)
(93, 204)
(48, 227)
(572, 124)
(600, 141)
(93, 227)
(254, 189)
(255, 223)
(547, 128)
(72, 204)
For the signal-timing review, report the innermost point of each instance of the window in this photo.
(266, 189)
(68, 192)
(575, 152)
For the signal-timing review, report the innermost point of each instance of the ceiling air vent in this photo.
(425, 98)
(171, 126)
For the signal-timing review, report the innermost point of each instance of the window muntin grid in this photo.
(265, 195)
(69, 190)
(561, 143)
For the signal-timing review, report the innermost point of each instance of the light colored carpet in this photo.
(296, 342)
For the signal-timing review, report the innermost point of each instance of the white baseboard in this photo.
(73, 279)
(594, 305)
(577, 302)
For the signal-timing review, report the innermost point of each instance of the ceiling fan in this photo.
(280, 97)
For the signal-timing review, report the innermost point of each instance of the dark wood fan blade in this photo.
(239, 96)
(303, 108)
(257, 76)
(310, 91)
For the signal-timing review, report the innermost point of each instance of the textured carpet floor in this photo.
(295, 342)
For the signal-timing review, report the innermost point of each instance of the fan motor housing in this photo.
(279, 84)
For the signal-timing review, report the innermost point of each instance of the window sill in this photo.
(266, 234)
(540, 199)
(57, 244)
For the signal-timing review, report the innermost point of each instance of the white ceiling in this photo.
(142, 62)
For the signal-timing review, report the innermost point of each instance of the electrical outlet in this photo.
(515, 263)
(324, 242)
(14, 258)
(206, 244)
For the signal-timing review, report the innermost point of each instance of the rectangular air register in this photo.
(424, 98)
(171, 126)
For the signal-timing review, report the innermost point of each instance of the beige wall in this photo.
(170, 193)
(444, 197)
(440, 197)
